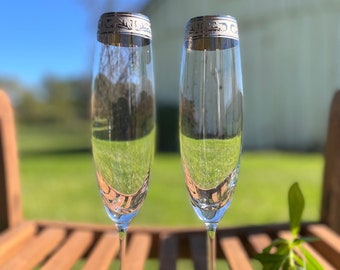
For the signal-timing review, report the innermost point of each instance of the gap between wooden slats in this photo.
(325, 264)
(235, 253)
(198, 251)
(168, 251)
(12, 240)
(329, 244)
(72, 249)
(137, 251)
(103, 252)
(36, 250)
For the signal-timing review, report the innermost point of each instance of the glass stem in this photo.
(122, 246)
(211, 245)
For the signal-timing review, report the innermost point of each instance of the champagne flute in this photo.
(211, 95)
(123, 115)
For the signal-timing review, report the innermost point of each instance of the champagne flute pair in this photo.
(123, 117)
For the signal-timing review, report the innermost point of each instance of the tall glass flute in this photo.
(123, 115)
(211, 96)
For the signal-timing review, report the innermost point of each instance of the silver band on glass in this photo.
(124, 23)
(223, 26)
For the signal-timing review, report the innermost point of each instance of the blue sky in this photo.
(42, 38)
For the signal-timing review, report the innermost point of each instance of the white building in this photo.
(290, 56)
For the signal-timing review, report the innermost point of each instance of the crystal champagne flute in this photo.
(211, 95)
(123, 115)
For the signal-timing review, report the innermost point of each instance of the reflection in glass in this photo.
(123, 115)
(211, 94)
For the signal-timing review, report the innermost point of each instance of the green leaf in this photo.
(270, 258)
(274, 266)
(299, 262)
(283, 249)
(297, 242)
(271, 261)
(310, 239)
(277, 242)
(284, 254)
(296, 204)
(311, 262)
(286, 265)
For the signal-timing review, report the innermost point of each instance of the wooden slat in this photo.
(10, 195)
(168, 251)
(323, 262)
(13, 239)
(72, 250)
(258, 242)
(198, 250)
(329, 244)
(66, 225)
(235, 253)
(324, 233)
(36, 250)
(47, 244)
(138, 251)
(330, 210)
(103, 253)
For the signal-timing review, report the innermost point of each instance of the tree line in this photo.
(58, 100)
(67, 102)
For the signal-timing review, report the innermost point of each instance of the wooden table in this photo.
(60, 245)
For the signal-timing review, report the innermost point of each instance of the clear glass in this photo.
(123, 116)
(211, 95)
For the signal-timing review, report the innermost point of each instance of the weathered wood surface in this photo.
(61, 245)
(330, 211)
(10, 197)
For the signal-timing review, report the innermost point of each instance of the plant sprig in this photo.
(289, 254)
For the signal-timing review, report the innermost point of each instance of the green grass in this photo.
(209, 162)
(62, 186)
(128, 168)
(53, 138)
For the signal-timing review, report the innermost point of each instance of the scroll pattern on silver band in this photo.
(212, 26)
(125, 23)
